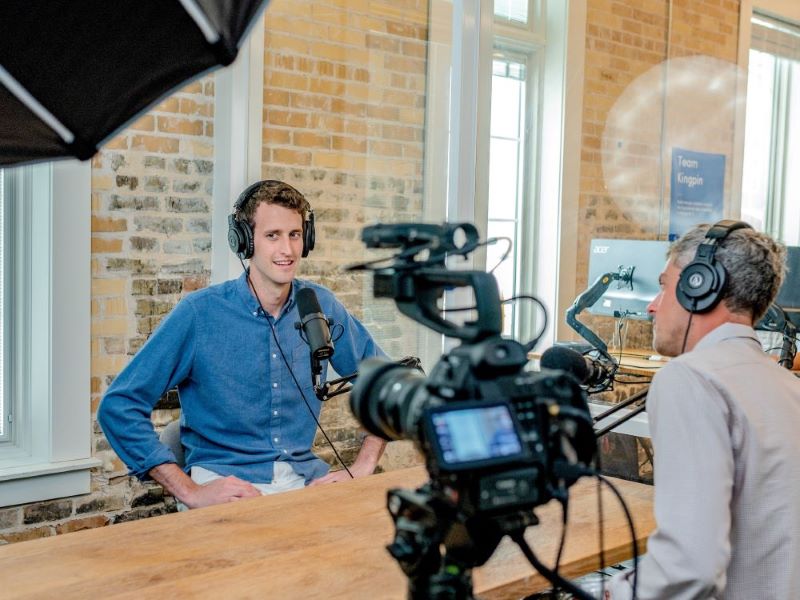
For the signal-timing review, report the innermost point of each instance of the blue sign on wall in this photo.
(696, 192)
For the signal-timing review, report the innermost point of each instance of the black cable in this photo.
(686, 333)
(291, 371)
(564, 522)
(505, 254)
(598, 468)
(519, 538)
(629, 518)
(601, 536)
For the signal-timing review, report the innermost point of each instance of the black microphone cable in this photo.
(629, 519)
(291, 371)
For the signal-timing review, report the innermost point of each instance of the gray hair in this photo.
(754, 261)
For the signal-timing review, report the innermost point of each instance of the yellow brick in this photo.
(273, 135)
(104, 245)
(102, 182)
(197, 148)
(287, 118)
(169, 105)
(291, 157)
(284, 80)
(331, 160)
(180, 126)
(118, 143)
(108, 287)
(115, 307)
(348, 144)
(285, 43)
(107, 327)
(149, 143)
(311, 140)
(196, 87)
(327, 86)
(191, 107)
(276, 97)
(108, 224)
(145, 123)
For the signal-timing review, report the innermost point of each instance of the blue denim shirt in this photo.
(241, 409)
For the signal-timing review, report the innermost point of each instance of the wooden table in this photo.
(322, 542)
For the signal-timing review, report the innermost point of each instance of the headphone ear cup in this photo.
(700, 285)
(240, 238)
(309, 233)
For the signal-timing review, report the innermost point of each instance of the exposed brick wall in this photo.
(344, 98)
(626, 41)
(151, 200)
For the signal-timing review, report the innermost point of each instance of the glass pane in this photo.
(504, 272)
(790, 219)
(512, 10)
(503, 176)
(758, 127)
(507, 94)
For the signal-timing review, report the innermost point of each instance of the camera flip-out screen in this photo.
(471, 435)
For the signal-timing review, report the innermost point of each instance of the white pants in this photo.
(283, 479)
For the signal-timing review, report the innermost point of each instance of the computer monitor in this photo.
(646, 258)
(789, 294)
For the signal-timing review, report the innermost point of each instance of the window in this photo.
(770, 183)
(507, 154)
(46, 452)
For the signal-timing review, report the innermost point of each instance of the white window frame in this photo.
(238, 141)
(50, 453)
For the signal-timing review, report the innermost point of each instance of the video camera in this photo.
(498, 440)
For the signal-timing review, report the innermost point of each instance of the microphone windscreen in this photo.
(307, 303)
(565, 359)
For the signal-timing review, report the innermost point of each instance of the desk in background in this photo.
(321, 542)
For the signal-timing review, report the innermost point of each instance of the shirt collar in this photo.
(244, 291)
(727, 331)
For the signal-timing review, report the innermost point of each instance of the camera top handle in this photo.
(416, 294)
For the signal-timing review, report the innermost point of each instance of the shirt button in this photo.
(275, 412)
(275, 440)
(274, 355)
(274, 385)
(285, 451)
(255, 313)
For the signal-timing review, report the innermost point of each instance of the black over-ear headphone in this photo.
(703, 280)
(240, 232)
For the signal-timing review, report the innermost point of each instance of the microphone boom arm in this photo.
(336, 387)
(588, 298)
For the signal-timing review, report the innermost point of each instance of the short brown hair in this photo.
(271, 191)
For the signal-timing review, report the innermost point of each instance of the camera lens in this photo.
(387, 399)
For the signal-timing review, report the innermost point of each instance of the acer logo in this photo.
(600, 249)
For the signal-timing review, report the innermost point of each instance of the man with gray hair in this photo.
(724, 420)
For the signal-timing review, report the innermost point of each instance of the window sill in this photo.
(45, 481)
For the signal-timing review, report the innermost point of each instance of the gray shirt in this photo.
(725, 424)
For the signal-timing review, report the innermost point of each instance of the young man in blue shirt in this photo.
(242, 370)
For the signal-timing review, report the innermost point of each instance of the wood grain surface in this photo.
(321, 542)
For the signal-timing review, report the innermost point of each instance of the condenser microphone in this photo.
(587, 371)
(315, 325)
